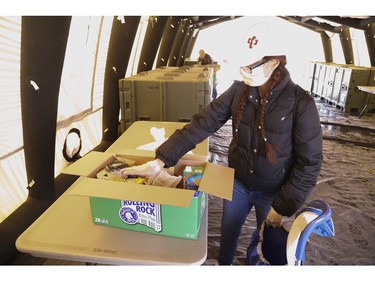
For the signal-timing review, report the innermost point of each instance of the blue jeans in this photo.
(235, 213)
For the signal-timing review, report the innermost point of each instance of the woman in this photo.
(276, 149)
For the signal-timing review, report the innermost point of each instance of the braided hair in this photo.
(277, 76)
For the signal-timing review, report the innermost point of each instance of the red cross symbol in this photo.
(252, 41)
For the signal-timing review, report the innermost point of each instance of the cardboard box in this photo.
(167, 211)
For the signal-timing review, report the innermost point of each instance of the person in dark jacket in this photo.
(276, 149)
(204, 58)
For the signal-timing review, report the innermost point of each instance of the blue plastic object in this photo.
(322, 226)
(268, 244)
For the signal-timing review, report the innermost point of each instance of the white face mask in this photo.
(258, 75)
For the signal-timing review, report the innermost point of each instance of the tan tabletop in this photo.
(65, 231)
(148, 135)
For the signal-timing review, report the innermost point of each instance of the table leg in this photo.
(364, 108)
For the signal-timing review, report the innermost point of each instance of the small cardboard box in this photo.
(162, 210)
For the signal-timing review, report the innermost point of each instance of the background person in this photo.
(204, 58)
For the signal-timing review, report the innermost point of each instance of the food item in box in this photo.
(113, 175)
(192, 176)
(116, 166)
(114, 169)
(113, 172)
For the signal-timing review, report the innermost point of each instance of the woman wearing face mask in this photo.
(276, 149)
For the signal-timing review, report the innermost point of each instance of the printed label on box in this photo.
(148, 214)
(192, 176)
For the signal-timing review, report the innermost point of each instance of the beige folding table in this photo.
(66, 231)
(369, 90)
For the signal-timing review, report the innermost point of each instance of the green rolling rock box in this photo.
(150, 217)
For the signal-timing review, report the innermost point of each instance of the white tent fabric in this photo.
(82, 111)
(13, 190)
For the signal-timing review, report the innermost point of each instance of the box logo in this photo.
(148, 214)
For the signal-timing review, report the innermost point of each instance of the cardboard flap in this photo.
(189, 156)
(133, 192)
(216, 181)
(135, 154)
(132, 153)
(89, 164)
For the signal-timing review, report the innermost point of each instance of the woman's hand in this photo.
(273, 218)
(148, 170)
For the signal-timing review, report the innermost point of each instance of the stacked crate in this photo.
(310, 78)
(351, 99)
(337, 84)
(165, 94)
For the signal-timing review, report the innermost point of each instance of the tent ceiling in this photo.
(331, 23)
(316, 23)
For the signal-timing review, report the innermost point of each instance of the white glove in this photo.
(273, 218)
(165, 179)
(148, 170)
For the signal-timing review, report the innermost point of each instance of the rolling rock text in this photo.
(133, 212)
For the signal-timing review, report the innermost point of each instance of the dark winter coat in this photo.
(292, 126)
(205, 60)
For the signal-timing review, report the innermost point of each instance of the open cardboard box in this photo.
(154, 209)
